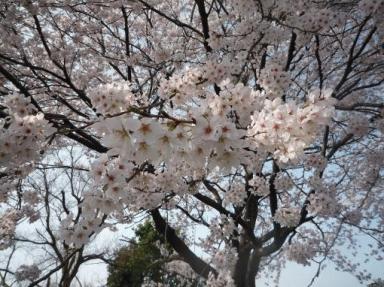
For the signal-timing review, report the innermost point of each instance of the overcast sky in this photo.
(294, 275)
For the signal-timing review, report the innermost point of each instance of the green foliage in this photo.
(142, 259)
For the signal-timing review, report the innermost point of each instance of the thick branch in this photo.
(197, 264)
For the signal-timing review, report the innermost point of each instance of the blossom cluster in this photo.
(181, 87)
(182, 269)
(260, 186)
(27, 272)
(79, 233)
(313, 20)
(224, 230)
(225, 259)
(287, 216)
(23, 133)
(274, 80)
(112, 98)
(236, 195)
(315, 161)
(303, 251)
(372, 6)
(7, 227)
(223, 279)
(150, 158)
(285, 129)
(322, 199)
(219, 125)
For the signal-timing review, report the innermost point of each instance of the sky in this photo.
(294, 275)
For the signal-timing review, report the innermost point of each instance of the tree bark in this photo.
(198, 265)
(247, 267)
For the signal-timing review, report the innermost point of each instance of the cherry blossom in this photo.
(250, 131)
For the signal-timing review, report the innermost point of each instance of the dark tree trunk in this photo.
(247, 264)
(246, 268)
(241, 268)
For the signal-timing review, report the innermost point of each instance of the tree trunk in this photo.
(241, 268)
(247, 267)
